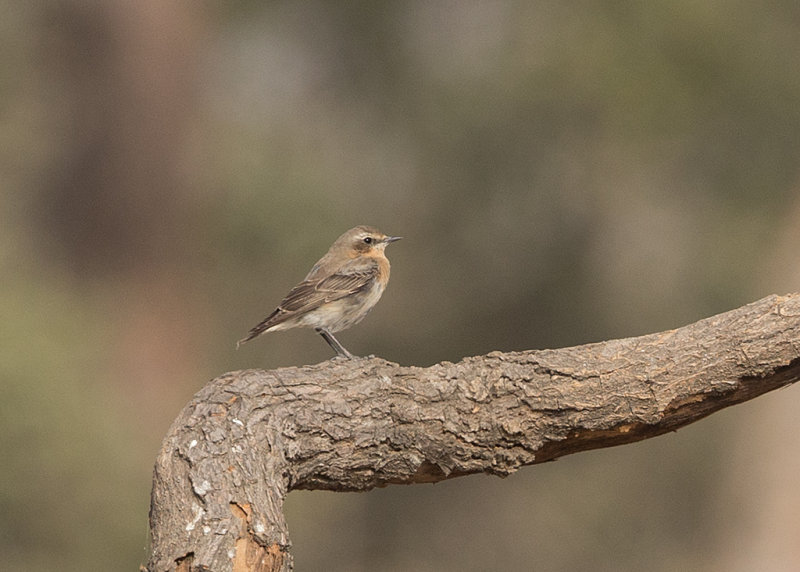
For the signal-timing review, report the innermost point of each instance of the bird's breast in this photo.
(351, 310)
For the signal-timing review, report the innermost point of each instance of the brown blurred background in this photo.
(561, 174)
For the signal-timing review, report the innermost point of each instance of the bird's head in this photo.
(364, 240)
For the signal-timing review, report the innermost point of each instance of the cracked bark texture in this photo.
(249, 437)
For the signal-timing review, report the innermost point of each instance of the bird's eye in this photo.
(368, 240)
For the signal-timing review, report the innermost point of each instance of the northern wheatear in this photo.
(340, 290)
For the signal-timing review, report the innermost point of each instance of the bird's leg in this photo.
(340, 350)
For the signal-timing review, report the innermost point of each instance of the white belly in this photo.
(343, 313)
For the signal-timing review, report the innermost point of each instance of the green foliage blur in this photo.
(561, 173)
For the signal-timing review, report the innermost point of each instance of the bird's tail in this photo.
(256, 331)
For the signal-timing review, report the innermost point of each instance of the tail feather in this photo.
(259, 329)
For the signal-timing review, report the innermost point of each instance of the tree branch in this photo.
(249, 437)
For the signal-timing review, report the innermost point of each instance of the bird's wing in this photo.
(311, 294)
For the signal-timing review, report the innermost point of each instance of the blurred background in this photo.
(562, 174)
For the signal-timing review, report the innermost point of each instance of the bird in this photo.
(341, 288)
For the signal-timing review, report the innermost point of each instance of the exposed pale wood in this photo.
(249, 437)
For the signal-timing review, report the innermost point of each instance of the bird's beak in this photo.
(389, 239)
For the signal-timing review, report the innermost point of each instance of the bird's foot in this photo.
(347, 356)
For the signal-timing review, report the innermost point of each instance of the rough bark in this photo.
(249, 437)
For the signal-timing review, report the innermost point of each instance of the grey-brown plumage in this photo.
(341, 288)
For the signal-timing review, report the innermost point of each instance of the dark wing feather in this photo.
(311, 294)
